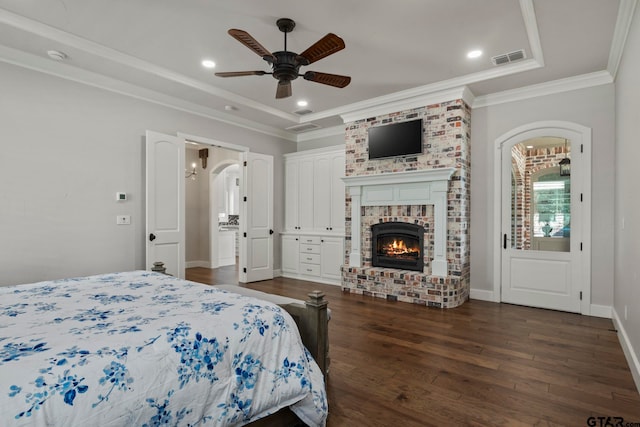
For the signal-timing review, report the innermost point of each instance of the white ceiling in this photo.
(396, 52)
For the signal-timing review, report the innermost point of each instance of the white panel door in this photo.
(337, 192)
(322, 180)
(331, 257)
(291, 190)
(305, 195)
(542, 224)
(165, 202)
(257, 211)
(290, 254)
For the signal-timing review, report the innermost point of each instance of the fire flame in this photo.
(398, 247)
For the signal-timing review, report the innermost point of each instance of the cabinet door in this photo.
(331, 257)
(290, 254)
(305, 195)
(291, 190)
(322, 182)
(337, 192)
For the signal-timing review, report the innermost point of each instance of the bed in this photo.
(143, 348)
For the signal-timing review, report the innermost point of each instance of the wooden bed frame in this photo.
(313, 323)
(312, 319)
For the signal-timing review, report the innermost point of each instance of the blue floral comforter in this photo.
(145, 349)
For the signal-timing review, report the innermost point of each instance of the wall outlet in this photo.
(123, 219)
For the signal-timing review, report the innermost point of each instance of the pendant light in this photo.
(565, 164)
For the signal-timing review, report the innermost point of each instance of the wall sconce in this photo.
(192, 173)
(565, 164)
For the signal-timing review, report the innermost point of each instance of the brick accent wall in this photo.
(446, 143)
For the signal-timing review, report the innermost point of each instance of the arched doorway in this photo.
(224, 212)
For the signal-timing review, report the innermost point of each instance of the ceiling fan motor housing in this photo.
(287, 65)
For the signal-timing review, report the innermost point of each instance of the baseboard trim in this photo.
(627, 348)
(277, 273)
(482, 295)
(315, 279)
(193, 264)
(596, 310)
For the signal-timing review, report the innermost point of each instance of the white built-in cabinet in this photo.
(313, 239)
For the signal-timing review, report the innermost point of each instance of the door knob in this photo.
(152, 237)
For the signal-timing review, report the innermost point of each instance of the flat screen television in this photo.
(396, 139)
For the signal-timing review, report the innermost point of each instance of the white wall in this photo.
(65, 150)
(593, 108)
(627, 197)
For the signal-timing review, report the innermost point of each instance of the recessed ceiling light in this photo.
(302, 103)
(474, 54)
(57, 55)
(231, 108)
(207, 63)
(529, 147)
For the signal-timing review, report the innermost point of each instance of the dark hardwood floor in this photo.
(481, 364)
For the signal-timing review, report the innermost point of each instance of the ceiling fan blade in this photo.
(327, 79)
(324, 47)
(284, 89)
(247, 40)
(240, 73)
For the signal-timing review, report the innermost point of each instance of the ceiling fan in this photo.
(286, 65)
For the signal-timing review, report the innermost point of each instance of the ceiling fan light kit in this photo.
(285, 65)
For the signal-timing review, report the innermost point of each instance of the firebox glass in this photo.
(398, 247)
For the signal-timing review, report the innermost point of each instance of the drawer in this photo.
(312, 240)
(310, 258)
(309, 249)
(309, 269)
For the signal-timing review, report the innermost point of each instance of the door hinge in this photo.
(244, 270)
(582, 148)
(580, 245)
(244, 234)
(244, 199)
(580, 196)
(244, 163)
(580, 295)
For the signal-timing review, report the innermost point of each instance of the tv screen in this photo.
(397, 139)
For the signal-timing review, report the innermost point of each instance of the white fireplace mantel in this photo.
(425, 187)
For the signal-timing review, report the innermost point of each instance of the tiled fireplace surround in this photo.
(431, 189)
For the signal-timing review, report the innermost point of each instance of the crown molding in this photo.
(410, 103)
(531, 25)
(93, 48)
(623, 24)
(535, 46)
(89, 78)
(426, 90)
(549, 88)
(446, 90)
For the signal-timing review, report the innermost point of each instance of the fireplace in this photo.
(397, 245)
